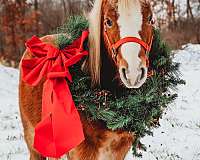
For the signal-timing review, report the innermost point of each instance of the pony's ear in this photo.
(93, 64)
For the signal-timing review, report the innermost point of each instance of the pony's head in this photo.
(125, 28)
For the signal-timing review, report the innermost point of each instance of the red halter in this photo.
(114, 47)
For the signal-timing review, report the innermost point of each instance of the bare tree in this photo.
(64, 7)
(36, 16)
(189, 10)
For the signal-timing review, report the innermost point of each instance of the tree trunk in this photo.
(36, 16)
(64, 8)
(189, 11)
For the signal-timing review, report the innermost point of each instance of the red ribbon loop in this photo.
(60, 129)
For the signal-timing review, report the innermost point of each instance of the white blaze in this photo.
(130, 23)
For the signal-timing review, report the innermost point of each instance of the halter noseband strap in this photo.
(122, 41)
(131, 39)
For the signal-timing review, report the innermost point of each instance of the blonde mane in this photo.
(94, 61)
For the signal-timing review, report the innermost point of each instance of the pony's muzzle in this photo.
(133, 79)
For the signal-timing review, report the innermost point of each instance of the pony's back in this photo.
(30, 103)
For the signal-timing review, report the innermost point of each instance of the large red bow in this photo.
(60, 129)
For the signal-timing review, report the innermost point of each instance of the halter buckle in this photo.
(114, 53)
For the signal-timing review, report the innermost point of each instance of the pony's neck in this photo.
(108, 70)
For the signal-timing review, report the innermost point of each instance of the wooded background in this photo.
(20, 19)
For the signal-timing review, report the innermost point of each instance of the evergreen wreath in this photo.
(134, 110)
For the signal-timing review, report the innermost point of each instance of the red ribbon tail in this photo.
(60, 129)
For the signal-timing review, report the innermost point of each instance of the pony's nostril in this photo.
(124, 73)
(143, 72)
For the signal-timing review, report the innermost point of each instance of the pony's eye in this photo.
(109, 22)
(151, 19)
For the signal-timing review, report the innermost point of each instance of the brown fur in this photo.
(147, 31)
(100, 140)
(100, 143)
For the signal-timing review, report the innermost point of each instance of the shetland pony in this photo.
(110, 23)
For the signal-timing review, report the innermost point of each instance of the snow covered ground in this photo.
(178, 138)
(12, 146)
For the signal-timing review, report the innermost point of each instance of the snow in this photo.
(178, 137)
(12, 146)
